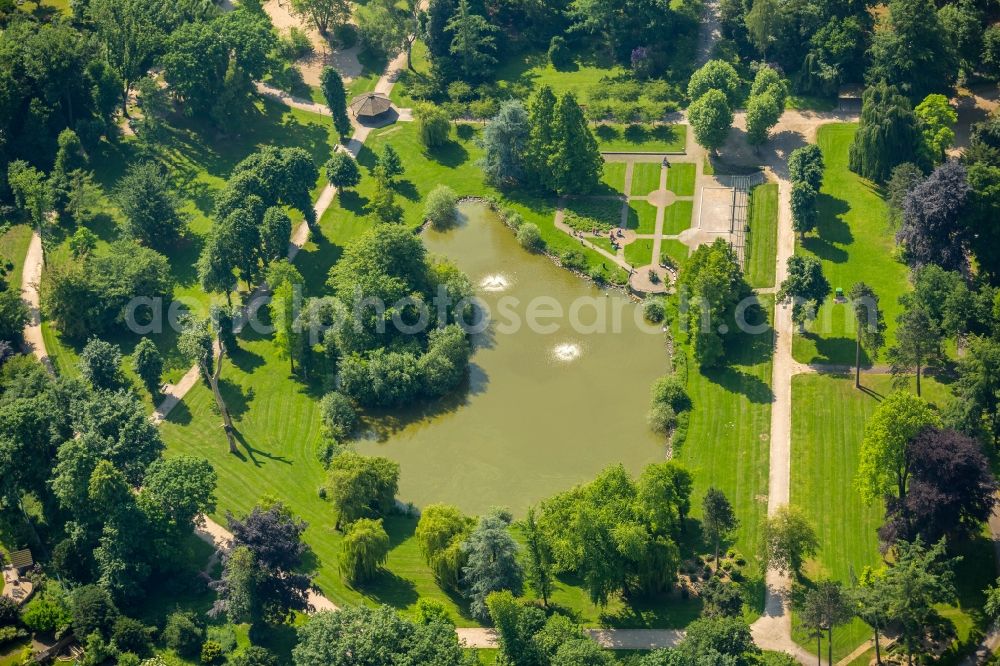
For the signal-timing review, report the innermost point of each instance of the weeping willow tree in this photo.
(887, 136)
(364, 550)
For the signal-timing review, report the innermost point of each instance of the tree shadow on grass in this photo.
(743, 383)
(824, 249)
(237, 401)
(831, 229)
(452, 154)
(252, 452)
(667, 610)
(279, 639)
(244, 359)
(390, 589)
(831, 350)
(316, 260)
(606, 133)
(351, 201)
(407, 190)
(465, 132)
(180, 414)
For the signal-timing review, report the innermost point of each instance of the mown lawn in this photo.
(645, 178)
(674, 249)
(529, 71)
(763, 236)
(640, 138)
(680, 178)
(13, 248)
(645, 215)
(828, 422)
(677, 217)
(855, 244)
(727, 444)
(614, 176)
(640, 252)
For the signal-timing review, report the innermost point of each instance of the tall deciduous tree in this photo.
(100, 364)
(934, 230)
(324, 14)
(826, 606)
(805, 165)
(342, 170)
(887, 136)
(362, 635)
(718, 520)
(935, 118)
(805, 286)
(362, 485)
(538, 556)
(148, 365)
(150, 208)
(711, 117)
(788, 539)
(951, 491)
(918, 344)
(716, 75)
(762, 114)
(976, 407)
(197, 344)
(440, 533)
(763, 23)
(870, 331)
(913, 50)
(434, 126)
(237, 589)
(883, 463)
(129, 37)
(871, 604)
(274, 536)
(803, 204)
(364, 550)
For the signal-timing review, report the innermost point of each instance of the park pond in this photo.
(547, 405)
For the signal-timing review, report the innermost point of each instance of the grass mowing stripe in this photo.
(828, 422)
(854, 243)
(763, 235)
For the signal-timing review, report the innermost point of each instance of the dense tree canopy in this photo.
(363, 635)
(888, 134)
(617, 534)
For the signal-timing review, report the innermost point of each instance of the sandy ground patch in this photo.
(344, 61)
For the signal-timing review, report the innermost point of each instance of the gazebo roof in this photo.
(21, 559)
(370, 105)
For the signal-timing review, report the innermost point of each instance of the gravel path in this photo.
(31, 277)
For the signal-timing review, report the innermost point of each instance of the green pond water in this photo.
(543, 410)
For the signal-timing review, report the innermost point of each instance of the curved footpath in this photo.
(773, 630)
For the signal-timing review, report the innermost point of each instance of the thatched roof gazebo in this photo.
(370, 105)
